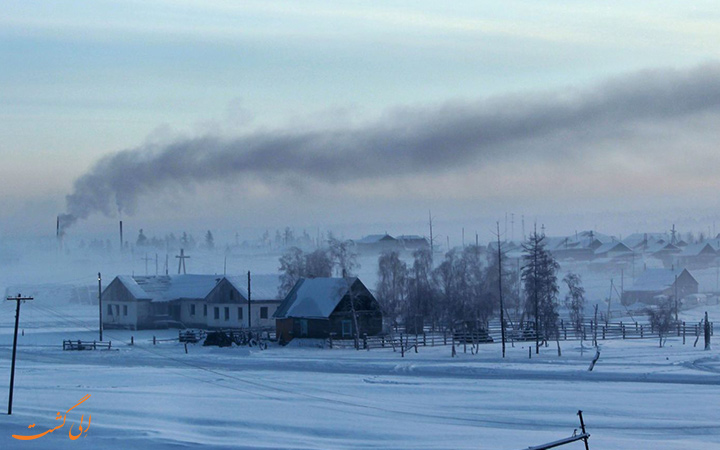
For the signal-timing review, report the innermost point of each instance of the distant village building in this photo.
(697, 256)
(655, 285)
(378, 243)
(321, 307)
(202, 301)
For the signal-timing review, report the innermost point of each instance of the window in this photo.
(124, 310)
(263, 312)
(205, 310)
(240, 313)
(192, 309)
(117, 310)
(109, 310)
(217, 313)
(303, 327)
(227, 313)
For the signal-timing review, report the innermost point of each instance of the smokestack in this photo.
(121, 237)
(57, 228)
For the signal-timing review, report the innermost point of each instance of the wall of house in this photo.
(124, 307)
(196, 320)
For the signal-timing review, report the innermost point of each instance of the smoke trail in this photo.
(545, 125)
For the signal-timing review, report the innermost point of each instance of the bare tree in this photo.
(575, 299)
(392, 285)
(318, 264)
(661, 319)
(292, 268)
(343, 255)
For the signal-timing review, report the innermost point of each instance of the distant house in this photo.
(201, 301)
(664, 251)
(656, 284)
(319, 307)
(376, 243)
(413, 242)
(697, 256)
(614, 250)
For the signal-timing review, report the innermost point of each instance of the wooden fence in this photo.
(566, 332)
(86, 345)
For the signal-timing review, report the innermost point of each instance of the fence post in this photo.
(132, 340)
(154, 341)
(604, 330)
(109, 344)
(623, 329)
(186, 348)
(465, 340)
(424, 339)
(683, 325)
(330, 335)
(444, 337)
(365, 344)
(382, 343)
(94, 345)
(530, 352)
(642, 334)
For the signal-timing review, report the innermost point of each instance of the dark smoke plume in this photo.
(547, 125)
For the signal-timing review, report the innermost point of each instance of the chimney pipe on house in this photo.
(121, 237)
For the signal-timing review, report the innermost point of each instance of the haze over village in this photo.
(344, 225)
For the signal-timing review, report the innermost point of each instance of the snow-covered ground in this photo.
(145, 396)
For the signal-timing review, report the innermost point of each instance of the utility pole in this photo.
(432, 241)
(19, 298)
(100, 327)
(676, 299)
(181, 261)
(146, 259)
(249, 315)
(502, 306)
(535, 288)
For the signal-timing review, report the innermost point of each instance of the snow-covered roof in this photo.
(662, 246)
(697, 249)
(653, 280)
(262, 287)
(616, 246)
(169, 287)
(410, 237)
(374, 239)
(314, 297)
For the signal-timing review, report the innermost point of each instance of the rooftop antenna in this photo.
(121, 237)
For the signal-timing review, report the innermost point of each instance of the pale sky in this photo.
(297, 80)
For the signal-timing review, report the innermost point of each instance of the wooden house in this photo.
(321, 307)
(654, 285)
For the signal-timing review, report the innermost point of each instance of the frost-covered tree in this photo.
(142, 240)
(575, 298)
(392, 284)
(317, 264)
(209, 240)
(661, 319)
(292, 268)
(343, 256)
(539, 276)
(422, 291)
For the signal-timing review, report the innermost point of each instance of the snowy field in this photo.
(145, 396)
